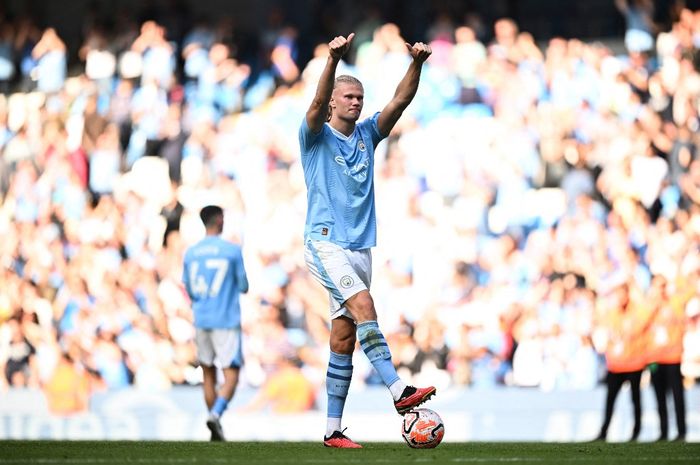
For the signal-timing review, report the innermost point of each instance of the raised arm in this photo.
(317, 113)
(622, 6)
(406, 89)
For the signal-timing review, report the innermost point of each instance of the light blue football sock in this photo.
(377, 350)
(219, 406)
(338, 379)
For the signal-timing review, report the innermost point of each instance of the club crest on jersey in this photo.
(361, 145)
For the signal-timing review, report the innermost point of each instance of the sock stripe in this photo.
(338, 378)
(377, 351)
(370, 339)
(342, 378)
(340, 367)
(374, 346)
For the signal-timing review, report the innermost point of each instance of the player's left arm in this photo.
(406, 89)
(241, 275)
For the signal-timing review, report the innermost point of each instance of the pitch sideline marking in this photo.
(359, 460)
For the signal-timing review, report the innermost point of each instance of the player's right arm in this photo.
(317, 114)
(186, 277)
(622, 6)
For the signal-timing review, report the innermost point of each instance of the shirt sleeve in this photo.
(307, 138)
(374, 129)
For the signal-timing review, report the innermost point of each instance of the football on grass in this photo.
(422, 428)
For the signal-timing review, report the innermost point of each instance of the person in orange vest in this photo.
(666, 349)
(625, 322)
(286, 391)
(68, 390)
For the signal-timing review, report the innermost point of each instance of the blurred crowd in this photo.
(523, 185)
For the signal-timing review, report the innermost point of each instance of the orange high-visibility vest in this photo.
(668, 328)
(628, 330)
(67, 391)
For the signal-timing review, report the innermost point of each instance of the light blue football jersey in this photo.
(214, 276)
(339, 175)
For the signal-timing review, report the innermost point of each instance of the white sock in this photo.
(396, 389)
(333, 424)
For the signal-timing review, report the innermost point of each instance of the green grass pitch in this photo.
(298, 453)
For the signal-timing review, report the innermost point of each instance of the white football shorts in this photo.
(220, 347)
(342, 272)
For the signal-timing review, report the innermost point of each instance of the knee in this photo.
(361, 306)
(209, 372)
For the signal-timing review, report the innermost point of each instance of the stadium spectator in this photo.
(156, 55)
(68, 389)
(51, 60)
(468, 55)
(286, 390)
(27, 35)
(639, 23)
(7, 56)
(20, 367)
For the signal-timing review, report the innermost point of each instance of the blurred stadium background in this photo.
(545, 160)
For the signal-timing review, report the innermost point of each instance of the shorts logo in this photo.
(361, 145)
(347, 282)
(324, 231)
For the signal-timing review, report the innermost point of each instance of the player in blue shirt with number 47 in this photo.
(337, 154)
(214, 276)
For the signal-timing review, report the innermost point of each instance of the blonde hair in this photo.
(344, 79)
